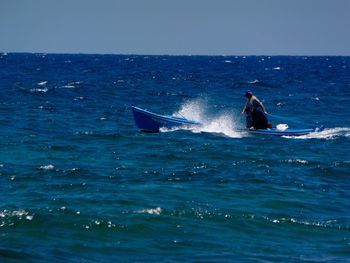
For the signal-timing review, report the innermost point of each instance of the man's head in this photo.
(248, 93)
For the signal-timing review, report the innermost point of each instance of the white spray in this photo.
(221, 123)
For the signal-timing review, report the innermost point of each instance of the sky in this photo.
(176, 27)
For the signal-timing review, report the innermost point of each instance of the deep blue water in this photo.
(80, 183)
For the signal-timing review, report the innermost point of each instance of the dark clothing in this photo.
(255, 116)
(249, 118)
(259, 120)
(249, 121)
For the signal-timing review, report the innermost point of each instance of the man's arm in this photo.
(245, 106)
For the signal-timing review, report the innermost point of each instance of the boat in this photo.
(287, 132)
(151, 122)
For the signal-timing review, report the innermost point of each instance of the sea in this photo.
(80, 183)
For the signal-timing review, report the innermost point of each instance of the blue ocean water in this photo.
(80, 183)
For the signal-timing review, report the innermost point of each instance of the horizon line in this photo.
(169, 55)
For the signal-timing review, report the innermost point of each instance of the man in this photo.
(256, 112)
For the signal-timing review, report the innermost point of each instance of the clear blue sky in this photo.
(197, 27)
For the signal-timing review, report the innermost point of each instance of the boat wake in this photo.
(327, 134)
(223, 123)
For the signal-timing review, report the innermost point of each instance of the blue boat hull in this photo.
(151, 122)
(288, 132)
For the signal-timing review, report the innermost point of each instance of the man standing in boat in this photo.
(256, 112)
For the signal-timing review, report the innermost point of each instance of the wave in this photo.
(42, 83)
(331, 223)
(259, 83)
(327, 134)
(7, 216)
(43, 90)
(47, 167)
(151, 211)
(72, 85)
(197, 110)
(297, 161)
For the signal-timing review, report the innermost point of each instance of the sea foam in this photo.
(47, 167)
(327, 134)
(151, 211)
(220, 123)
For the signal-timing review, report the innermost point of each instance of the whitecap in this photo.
(228, 61)
(44, 90)
(110, 224)
(298, 161)
(72, 85)
(42, 83)
(47, 167)
(151, 211)
(276, 68)
(328, 223)
(16, 213)
(69, 86)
